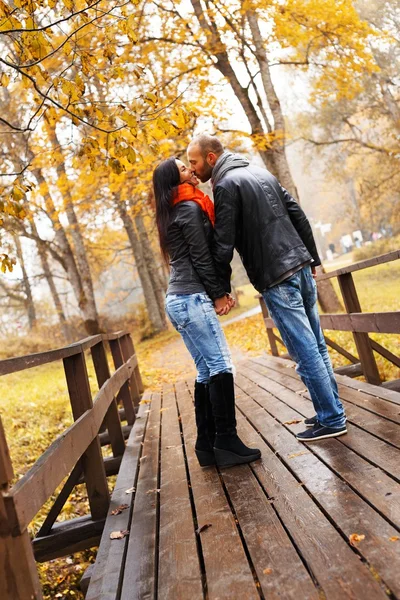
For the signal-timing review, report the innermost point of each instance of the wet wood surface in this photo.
(305, 521)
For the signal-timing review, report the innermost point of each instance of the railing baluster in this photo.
(363, 343)
(128, 351)
(18, 573)
(124, 393)
(270, 333)
(92, 460)
(112, 420)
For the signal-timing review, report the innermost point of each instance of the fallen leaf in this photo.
(162, 409)
(152, 491)
(130, 490)
(119, 509)
(203, 527)
(118, 535)
(145, 401)
(168, 447)
(292, 422)
(355, 538)
(301, 391)
(298, 454)
(394, 538)
(267, 571)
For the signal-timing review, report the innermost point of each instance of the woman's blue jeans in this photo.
(194, 316)
(293, 307)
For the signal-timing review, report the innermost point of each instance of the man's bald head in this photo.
(203, 152)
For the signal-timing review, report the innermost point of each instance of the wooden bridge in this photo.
(306, 521)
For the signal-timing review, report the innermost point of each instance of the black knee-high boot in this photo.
(229, 450)
(205, 425)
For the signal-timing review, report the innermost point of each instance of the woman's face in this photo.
(186, 173)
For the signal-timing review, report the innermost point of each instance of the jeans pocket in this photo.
(177, 311)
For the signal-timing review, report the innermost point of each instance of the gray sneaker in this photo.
(319, 432)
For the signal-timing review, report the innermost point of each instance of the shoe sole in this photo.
(225, 458)
(206, 459)
(322, 437)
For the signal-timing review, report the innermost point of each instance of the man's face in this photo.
(201, 166)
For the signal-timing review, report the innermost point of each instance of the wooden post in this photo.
(137, 370)
(124, 393)
(19, 579)
(92, 460)
(111, 420)
(363, 343)
(270, 333)
(127, 352)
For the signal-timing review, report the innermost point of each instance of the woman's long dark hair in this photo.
(165, 178)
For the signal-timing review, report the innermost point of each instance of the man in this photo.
(273, 236)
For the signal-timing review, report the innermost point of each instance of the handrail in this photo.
(364, 264)
(21, 363)
(34, 489)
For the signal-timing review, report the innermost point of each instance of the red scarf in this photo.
(187, 191)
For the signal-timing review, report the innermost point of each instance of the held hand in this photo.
(232, 301)
(222, 306)
(314, 272)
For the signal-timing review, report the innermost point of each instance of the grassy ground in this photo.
(35, 409)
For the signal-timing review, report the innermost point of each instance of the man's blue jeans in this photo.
(193, 315)
(293, 307)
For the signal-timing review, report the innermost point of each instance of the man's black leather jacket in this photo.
(258, 217)
(189, 245)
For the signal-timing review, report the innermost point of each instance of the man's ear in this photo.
(212, 159)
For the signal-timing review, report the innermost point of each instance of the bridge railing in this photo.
(76, 455)
(355, 321)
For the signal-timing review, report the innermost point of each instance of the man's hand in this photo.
(222, 305)
(314, 272)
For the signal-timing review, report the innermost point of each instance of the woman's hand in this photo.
(222, 305)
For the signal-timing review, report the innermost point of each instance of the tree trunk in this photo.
(218, 49)
(68, 259)
(76, 234)
(156, 316)
(42, 251)
(151, 263)
(30, 307)
(278, 147)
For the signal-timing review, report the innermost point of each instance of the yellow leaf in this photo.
(129, 119)
(355, 538)
(4, 80)
(116, 166)
(131, 156)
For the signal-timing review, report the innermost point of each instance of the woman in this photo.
(185, 218)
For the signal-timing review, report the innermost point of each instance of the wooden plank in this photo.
(364, 350)
(111, 420)
(392, 385)
(387, 322)
(227, 570)
(38, 484)
(140, 571)
(342, 351)
(385, 353)
(68, 537)
(354, 370)
(179, 574)
(270, 333)
(367, 480)
(279, 568)
(375, 450)
(378, 425)
(364, 264)
(106, 579)
(327, 552)
(13, 365)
